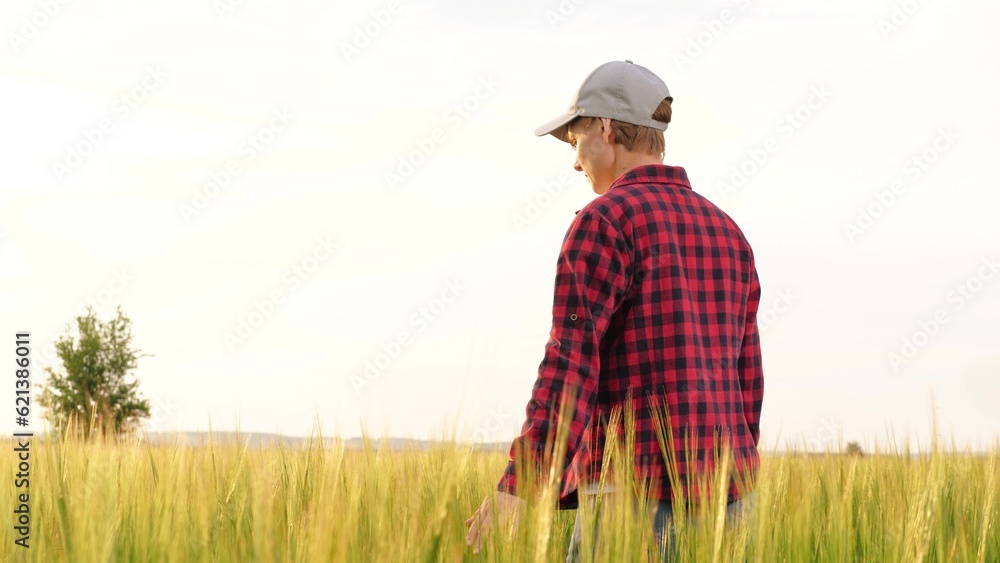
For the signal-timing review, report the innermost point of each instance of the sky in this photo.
(338, 216)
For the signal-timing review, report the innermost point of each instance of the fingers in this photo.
(478, 526)
(474, 538)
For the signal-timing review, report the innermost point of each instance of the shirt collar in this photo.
(653, 174)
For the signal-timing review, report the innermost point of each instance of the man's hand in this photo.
(510, 509)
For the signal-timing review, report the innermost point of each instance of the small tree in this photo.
(94, 390)
(854, 448)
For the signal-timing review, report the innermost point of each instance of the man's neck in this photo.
(631, 161)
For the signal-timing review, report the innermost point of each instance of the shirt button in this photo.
(572, 317)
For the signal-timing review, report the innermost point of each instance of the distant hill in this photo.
(267, 440)
(259, 439)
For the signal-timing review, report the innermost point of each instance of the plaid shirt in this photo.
(656, 297)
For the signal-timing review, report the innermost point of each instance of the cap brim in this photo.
(558, 126)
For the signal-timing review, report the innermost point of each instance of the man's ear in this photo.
(607, 133)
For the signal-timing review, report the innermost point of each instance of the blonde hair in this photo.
(639, 138)
(647, 140)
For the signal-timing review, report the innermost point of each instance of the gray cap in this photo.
(619, 90)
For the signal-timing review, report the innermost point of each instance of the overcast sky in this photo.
(340, 214)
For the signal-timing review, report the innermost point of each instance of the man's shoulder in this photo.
(649, 190)
(661, 195)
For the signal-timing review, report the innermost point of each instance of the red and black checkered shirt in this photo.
(655, 309)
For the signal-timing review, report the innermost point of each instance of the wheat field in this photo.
(132, 501)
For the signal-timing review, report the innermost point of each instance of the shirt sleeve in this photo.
(750, 367)
(592, 277)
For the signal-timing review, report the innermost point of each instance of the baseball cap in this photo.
(619, 90)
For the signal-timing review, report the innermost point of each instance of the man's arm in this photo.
(592, 276)
(749, 365)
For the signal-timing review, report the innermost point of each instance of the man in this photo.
(655, 309)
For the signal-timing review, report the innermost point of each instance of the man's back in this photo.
(683, 340)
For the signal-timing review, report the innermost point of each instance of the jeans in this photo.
(663, 525)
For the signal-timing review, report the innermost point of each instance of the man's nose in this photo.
(576, 166)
